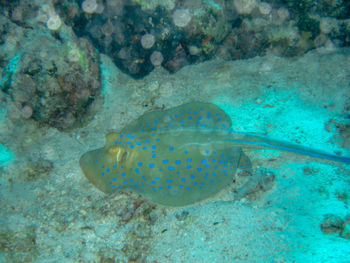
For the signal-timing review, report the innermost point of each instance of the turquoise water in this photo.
(73, 71)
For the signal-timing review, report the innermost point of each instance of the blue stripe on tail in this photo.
(284, 146)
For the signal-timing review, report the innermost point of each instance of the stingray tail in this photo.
(259, 141)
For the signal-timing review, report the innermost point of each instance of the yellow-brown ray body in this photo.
(178, 156)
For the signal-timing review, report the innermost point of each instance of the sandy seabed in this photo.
(58, 216)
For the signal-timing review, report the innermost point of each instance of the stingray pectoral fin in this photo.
(94, 170)
(112, 138)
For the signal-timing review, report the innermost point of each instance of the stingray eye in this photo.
(124, 157)
(119, 153)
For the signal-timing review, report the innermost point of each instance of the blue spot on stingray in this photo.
(157, 178)
(189, 160)
(171, 148)
(131, 146)
(183, 179)
(154, 147)
(137, 171)
(114, 166)
(128, 135)
(107, 170)
(169, 181)
(136, 183)
(188, 166)
(138, 143)
(171, 123)
(216, 167)
(114, 179)
(131, 179)
(144, 148)
(180, 186)
(194, 183)
(146, 141)
(122, 174)
(171, 168)
(165, 161)
(132, 137)
(125, 182)
(169, 186)
(139, 164)
(212, 181)
(157, 140)
(102, 174)
(177, 162)
(192, 176)
(153, 182)
(213, 174)
(204, 161)
(181, 121)
(154, 156)
(160, 188)
(199, 169)
(186, 152)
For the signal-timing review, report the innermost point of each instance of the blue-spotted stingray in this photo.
(179, 156)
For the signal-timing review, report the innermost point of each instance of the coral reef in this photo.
(193, 31)
(52, 82)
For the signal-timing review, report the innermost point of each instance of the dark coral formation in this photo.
(54, 81)
(192, 31)
(58, 79)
